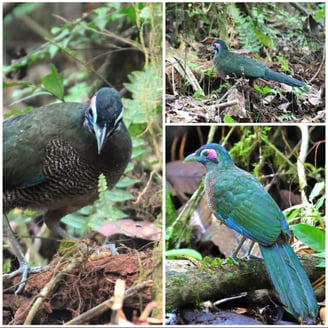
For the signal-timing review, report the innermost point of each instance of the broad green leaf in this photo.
(183, 252)
(228, 119)
(119, 195)
(53, 82)
(126, 182)
(312, 236)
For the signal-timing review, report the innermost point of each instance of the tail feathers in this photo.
(290, 280)
(282, 78)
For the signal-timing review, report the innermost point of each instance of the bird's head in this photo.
(219, 46)
(104, 115)
(209, 155)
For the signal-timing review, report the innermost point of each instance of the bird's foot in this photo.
(231, 260)
(112, 248)
(237, 249)
(234, 260)
(24, 270)
(250, 256)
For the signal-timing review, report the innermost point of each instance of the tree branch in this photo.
(187, 283)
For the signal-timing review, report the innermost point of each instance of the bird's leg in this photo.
(112, 248)
(52, 221)
(237, 249)
(248, 255)
(249, 252)
(233, 256)
(250, 248)
(24, 268)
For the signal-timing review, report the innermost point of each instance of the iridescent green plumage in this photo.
(236, 65)
(241, 202)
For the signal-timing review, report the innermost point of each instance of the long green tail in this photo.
(282, 78)
(290, 280)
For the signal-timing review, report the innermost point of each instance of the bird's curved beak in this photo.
(100, 133)
(191, 158)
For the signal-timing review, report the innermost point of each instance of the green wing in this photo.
(242, 203)
(239, 65)
(25, 138)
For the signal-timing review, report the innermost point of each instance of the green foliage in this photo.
(21, 10)
(198, 95)
(74, 35)
(265, 90)
(65, 247)
(265, 139)
(260, 138)
(7, 265)
(255, 25)
(53, 82)
(287, 117)
(231, 260)
(211, 263)
(258, 29)
(177, 233)
(309, 212)
(228, 119)
(241, 149)
(284, 63)
(142, 114)
(194, 21)
(320, 12)
(145, 105)
(105, 205)
(143, 111)
(170, 212)
(253, 30)
(183, 253)
(246, 29)
(312, 236)
(222, 87)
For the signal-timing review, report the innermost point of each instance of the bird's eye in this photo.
(209, 155)
(119, 118)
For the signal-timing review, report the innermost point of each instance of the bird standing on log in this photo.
(236, 65)
(53, 156)
(241, 202)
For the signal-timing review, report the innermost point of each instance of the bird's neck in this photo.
(223, 52)
(224, 165)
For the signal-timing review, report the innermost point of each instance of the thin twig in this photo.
(104, 306)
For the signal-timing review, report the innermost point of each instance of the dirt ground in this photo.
(78, 281)
(194, 93)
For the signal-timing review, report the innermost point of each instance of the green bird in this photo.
(53, 156)
(236, 65)
(240, 201)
